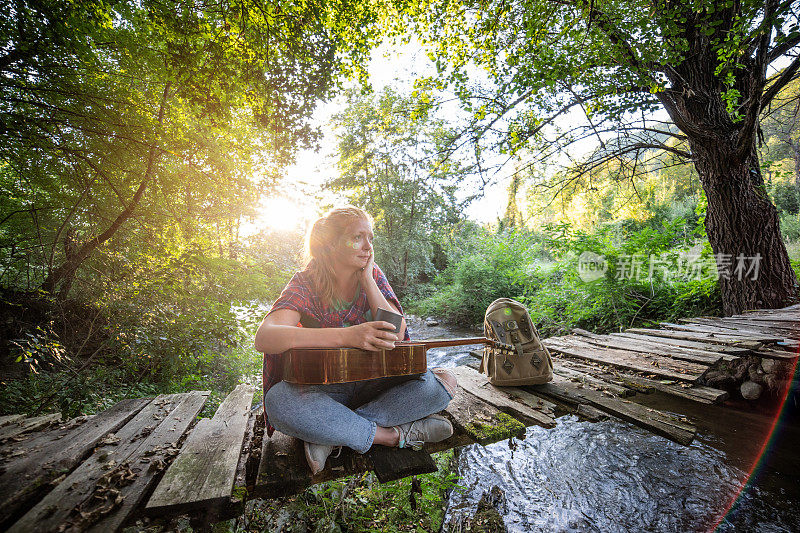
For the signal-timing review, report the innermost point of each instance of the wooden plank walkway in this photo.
(152, 457)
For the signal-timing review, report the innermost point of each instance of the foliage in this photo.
(390, 163)
(541, 77)
(167, 114)
(781, 129)
(541, 59)
(360, 503)
(542, 270)
(137, 135)
(496, 267)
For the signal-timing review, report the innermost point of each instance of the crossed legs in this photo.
(320, 413)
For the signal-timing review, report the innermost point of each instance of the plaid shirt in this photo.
(299, 296)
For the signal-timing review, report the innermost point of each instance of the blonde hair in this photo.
(321, 241)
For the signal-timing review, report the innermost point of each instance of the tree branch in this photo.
(786, 76)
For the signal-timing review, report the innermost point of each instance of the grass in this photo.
(358, 503)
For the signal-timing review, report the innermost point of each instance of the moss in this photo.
(239, 494)
(502, 426)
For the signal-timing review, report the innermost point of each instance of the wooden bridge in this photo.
(150, 457)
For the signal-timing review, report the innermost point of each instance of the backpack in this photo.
(526, 361)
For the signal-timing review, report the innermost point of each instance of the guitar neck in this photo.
(443, 343)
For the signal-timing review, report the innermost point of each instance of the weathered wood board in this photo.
(697, 393)
(758, 327)
(107, 487)
(661, 366)
(722, 332)
(390, 464)
(10, 419)
(592, 381)
(711, 338)
(702, 357)
(650, 419)
(500, 397)
(608, 373)
(28, 468)
(27, 425)
(727, 350)
(205, 470)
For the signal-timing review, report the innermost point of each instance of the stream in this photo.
(613, 476)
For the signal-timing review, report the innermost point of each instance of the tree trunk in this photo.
(59, 281)
(743, 230)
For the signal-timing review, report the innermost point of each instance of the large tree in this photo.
(553, 73)
(154, 111)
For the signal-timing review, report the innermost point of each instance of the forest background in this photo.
(139, 139)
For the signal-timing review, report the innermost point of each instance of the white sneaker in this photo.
(317, 454)
(432, 428)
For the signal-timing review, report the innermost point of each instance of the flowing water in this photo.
(613, 476)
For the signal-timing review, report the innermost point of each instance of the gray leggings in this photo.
(347, 414)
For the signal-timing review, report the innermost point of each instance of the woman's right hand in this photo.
(371, 336)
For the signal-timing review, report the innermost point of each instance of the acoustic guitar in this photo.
(321, 366)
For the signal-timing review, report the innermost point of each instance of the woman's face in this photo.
(355, 246)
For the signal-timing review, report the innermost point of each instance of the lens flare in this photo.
(769, 441)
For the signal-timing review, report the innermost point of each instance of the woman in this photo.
(335, 298)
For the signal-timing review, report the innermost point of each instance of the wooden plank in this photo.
(750, 320)
(661, 366)
(676, 352)
(202, 475)
(556, 391)
(34, 464)
(390, 464)
(768, 353)
(10, 419)
(791, 318)
(27, 425)
(107, 487)
(608, 373)
(501, 398)
(536, 402)
(711, 338)
(770, 328)
(728, 325)
(282, 470)
(722, 332)
(595, 383)
(650, 419)
(699, 393)
(754, 327)
(251, 452)
(696, 393)
(482, 421)
(152, 457)
(728, 352)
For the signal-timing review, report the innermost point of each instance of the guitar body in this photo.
(320, 366)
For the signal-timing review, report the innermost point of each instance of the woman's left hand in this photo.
(366, 272)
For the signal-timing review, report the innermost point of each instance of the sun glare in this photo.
(282, 214)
